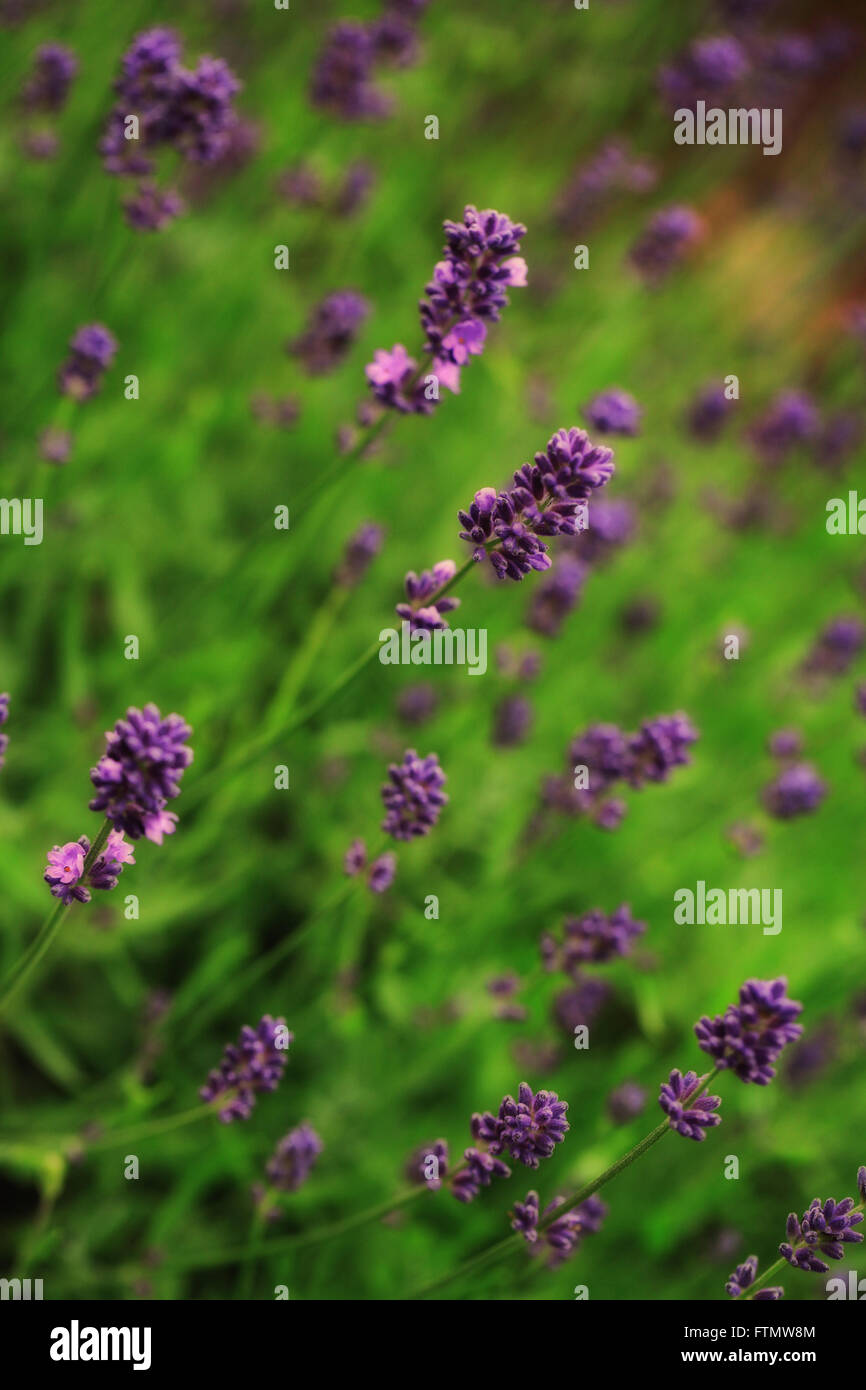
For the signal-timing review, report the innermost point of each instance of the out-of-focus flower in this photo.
(556, 595)
(54, 69)
(417, 703)
(294, 1158)
(709, 411)
(4, 715)
(710, 70)
(92, 351)
(626, 1102)
(667, 237)
(593, 938)
(331, 330)
(428, 1164)
(382, 872)
(797, 791)
(744, 1276)
(413, 796)
(790, 419)
(512, 721)
(836, 647)
(247, 1069)
(361, 550)
(613, 412)
(592, 188)
(151, 208)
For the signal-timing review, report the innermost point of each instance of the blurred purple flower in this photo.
(254, 1065)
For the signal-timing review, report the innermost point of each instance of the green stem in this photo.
(147, 1130)
(50, 928)
(765, 1278)
(511, 1243)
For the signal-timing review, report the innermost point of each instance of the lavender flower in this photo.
(797, 791)
(140, 772)
(362, 548)
(825, 1229)
(247, 1069)
(659, 746)
(593, 938)
(417, 703)
(750, 1036)
(294, 1158)
(562, 1236)
(342, 78)
(151, 208)
(556, 596)
(332, 328)
(355, 858)
(512, 720)
(423, 611)
(709, 70)
(65, 871)
(47, 88)
(744, 1276)
(546, 499)
(708, 412)
(382, 872)
(358, 182)
(664, 241)
(610, 525)
(613, 412)
(413, 796)
(300, 186)
(687, 1116)
(467, 292)
(785, 743)
(481, 1169)
(790, 419)
(428, 1164)
(626, 1102)
(92, 352)
(528, 1128)
(836, 647)
(591, 189)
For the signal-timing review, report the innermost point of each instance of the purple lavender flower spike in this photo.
(394, 379)
(355, 858)
(744, 1276)
(557, 595)
(428, 1164)
(611, 171)
(790, 419)
(481, 1169)
(361, 550)
(524, 1218)
(709, 70)
(382, 872)
(613, 412)
(92, 352)
(145, 758)
(331, 330)
(342, 79)
(294, 1158)
(861, 1183)
(660, 745)
(512, 721)
(424, 611)
(593, 938)
(65, 870)
(610, 525)
(709, 412)
(626, 1102)
(106, 869)
(797, 791)
(664, 241)
(54, 69)
(254, 1065)
(687, 1118)
(355, 188)
(528, 1128)
(825, 1229)
(750, 1036)
(836, 647)
(563, 1235)
(785, 743)
(413, 796)
(151, 208)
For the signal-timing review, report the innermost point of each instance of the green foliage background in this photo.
(161, 526)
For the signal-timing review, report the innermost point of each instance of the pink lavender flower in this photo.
(468, 291)
(688, 1116)
(744, 1276)
(248, 1069)
(92, 351)
(54, 69)
(751, 1035)
(613, 412)
(145, 758)
(824, 1230)
(664, 241)
(528, 1128)
(424, 611)
(797, 791)
(413, 796)
(65, 873)
(331, 330)
(294, 1158)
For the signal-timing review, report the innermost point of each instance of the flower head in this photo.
(664, 241)
(592, 938)
(797, 791)
(92, 352)
(413, 796)
(744, 1276)
(47, 88)
(331, 330)
(254, 1065)
(140, 771)
(423, 610)
(613, 412)
(294, 1158)
(428, 1164)
(65, 869)
(749, 1037)
(528, 1128)
(382, 872)
(689, 1117)
(480, 1170)
(823, 1230)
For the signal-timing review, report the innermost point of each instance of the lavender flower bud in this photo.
(750, 1036)
(254, 1065)
(690, 1120)
(294, 1159)
(413, 796)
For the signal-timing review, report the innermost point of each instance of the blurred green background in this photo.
(161, 526)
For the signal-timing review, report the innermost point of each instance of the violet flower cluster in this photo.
(709, 411)
(467, 292)
(688, 1113)
(428, 1164)
(247, 1069)
(547, 498)
(836, 647)
(661, 246)
(91, 352)
(361, 550)
(594, 186)
(605, 756)
(45, 93)
(294, 1159)
(4, 715)
(140, 772)
(65, 873)
(711, 70)
(188, 110)
(613, 412)
(791, 419)
(343, 78)
(562, 1236)
(382, 870)
(528, 1129)
(331, 330)
(744, 1277)
(750, 1036)
(424, 610)
(591, 939)
(413, 796)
